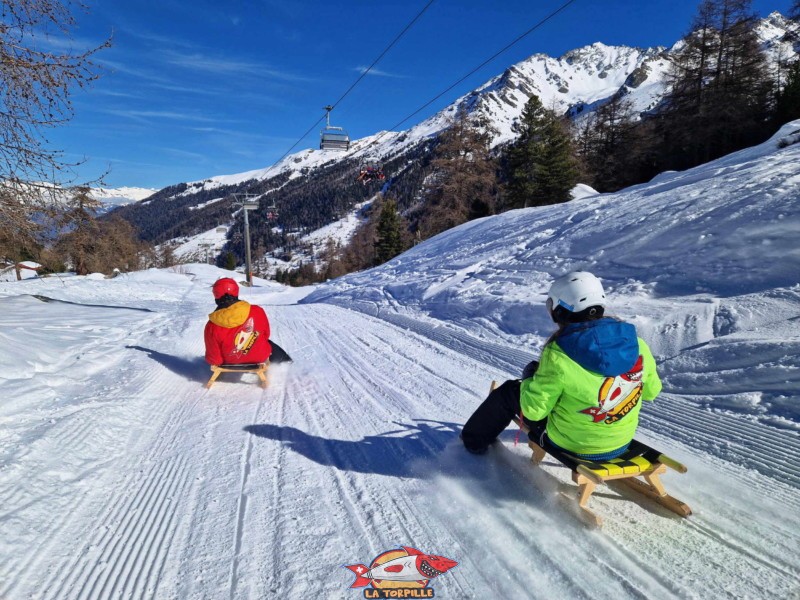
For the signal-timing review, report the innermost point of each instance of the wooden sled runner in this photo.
(259, 369)
(639, 468)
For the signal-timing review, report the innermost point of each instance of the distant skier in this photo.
(584, 394)
(237, 332)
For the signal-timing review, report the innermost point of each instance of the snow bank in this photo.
(690, 257)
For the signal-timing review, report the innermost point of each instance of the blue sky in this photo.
(202, 88)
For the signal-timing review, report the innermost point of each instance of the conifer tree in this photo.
(787, 105)
(389, 242)
(18, 233)
(541, 165)
(230, 261)
(360, 250)
(608, 144)
(794, 12)
(787, 102)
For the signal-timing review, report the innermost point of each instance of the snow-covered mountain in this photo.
(113, 197)
(122, 477)
(575, 83)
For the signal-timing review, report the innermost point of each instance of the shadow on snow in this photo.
(430, 450)
(194, 369)
(404, 452)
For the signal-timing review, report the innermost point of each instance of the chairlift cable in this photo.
(356, 82)
(432, 100)
(473, 71)
(389, 47)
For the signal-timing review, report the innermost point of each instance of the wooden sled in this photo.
(259, 369)
(639, 468)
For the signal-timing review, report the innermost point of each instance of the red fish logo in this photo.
(406, 568)
(617, 396)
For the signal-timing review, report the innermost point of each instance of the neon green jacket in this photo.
(589, 385)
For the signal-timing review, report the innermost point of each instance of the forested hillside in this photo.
(304, 202)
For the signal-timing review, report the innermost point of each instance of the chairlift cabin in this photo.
(333, 138)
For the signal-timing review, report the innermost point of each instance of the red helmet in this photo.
(223, 286)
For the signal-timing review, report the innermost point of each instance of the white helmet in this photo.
(576, 292)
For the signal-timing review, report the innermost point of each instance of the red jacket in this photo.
(237, 334)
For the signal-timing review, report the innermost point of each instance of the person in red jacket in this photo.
(237, 332)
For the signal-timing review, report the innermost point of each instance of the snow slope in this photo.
(203, 247)
(121, 477)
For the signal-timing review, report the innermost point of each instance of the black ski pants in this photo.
(496, 413)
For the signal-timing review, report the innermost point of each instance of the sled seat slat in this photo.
(620, 466)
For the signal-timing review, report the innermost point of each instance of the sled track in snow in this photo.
(502, 357)
(750, 445)
(73, 430)
(241, 512)
(90, 452)
(522, 520)
(270, 548)
(139, 525)
(364, 506)
(768, 450)
(297, 483)
(133, 524)
(127, 552)
(721, 539)
(350, 462)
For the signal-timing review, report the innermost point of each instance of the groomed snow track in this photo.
(147, 486)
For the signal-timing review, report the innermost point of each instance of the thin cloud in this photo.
(113, 160)
(144, 115)
(69, 44)
(208, 64)
(114, 93)
(184, 153)
(226, 132)
(242, 135)
(378, 73)
(157, 39)
(201, 62)
(205, 91)
(121, 67)
(158, 80)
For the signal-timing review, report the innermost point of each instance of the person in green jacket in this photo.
(585, 393)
